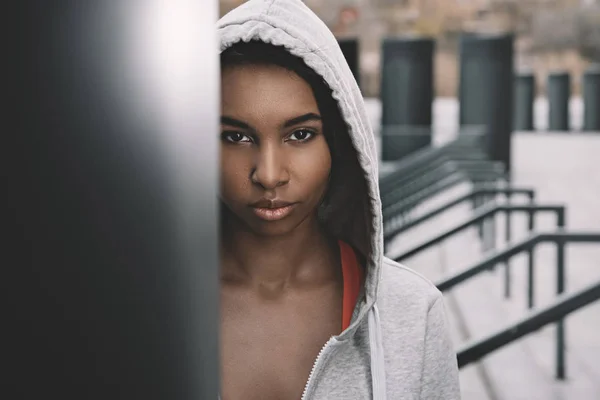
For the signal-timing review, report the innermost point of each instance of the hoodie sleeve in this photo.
(439, 379)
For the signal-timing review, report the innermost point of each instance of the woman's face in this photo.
(275, 162)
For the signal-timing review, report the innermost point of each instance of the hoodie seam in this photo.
(425, 347)
(404, 268)
(269, 7)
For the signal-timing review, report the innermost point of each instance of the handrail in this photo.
(410, 202)
(393, 200)
(445, 165)
(475, 167)
(480, 215)
(426, 155)
(505, 254)
(560, 237)
(395, 177)
(555, 312)
(484, 190)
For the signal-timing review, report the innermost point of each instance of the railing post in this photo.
(530, 282)
(508, 239)
(492, 222)
(560, 288)
(479, 201)
(484, 225)
(476, 201)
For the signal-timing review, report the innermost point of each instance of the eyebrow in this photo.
(301, 119)
(235, 122)
(290, 122)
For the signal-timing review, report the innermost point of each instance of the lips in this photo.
(272, 210)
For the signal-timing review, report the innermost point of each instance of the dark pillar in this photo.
(591, 98)
(112, 191)
(486, 90)
(406, 95)
(524, 100)
(559, 92)
(351, 50)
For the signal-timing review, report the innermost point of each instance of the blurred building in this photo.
(550, 34)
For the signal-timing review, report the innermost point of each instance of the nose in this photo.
(270, 170)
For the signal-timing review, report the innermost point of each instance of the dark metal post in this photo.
(531, 267)
(487, 239)
(507, 277)
(492, 223)
(524, 99)
(478, 202)
(486, 90)
(560, 288)
(489, 226)
(559, 93)
(406, 95)
(113, 199)
(591, 98)
(351, 49)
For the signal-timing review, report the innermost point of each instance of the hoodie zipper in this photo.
(319, 356)
(314, 367)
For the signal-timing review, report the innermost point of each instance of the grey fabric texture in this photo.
(398, 344)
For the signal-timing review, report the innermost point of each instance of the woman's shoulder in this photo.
(403, 287)
(416, 332)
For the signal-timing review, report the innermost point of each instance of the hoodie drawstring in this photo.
(377, 355)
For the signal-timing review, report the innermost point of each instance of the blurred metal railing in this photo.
(538, 319)
(391, 229)
(486, 212)
(468, 142)
(532, 322)
(477, 170)
(404, 171)
(419, 190)
(425, 173)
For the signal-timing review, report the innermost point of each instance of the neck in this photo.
(303, 256)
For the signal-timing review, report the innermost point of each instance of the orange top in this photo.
(353, 276)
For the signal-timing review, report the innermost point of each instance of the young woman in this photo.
(310, 307)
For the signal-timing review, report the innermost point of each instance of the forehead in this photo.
(265, 91)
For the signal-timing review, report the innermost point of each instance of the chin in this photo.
(272, 228)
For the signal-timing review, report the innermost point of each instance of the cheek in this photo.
(313, 167)
(234, 172)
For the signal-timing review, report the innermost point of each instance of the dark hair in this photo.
(344, 163)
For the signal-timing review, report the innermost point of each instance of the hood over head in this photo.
(354, 213)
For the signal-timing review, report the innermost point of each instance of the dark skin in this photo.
(281, 280)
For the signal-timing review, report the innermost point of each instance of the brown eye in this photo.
(235, 137)
(301, 135)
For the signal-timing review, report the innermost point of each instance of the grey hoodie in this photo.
(398, 344)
